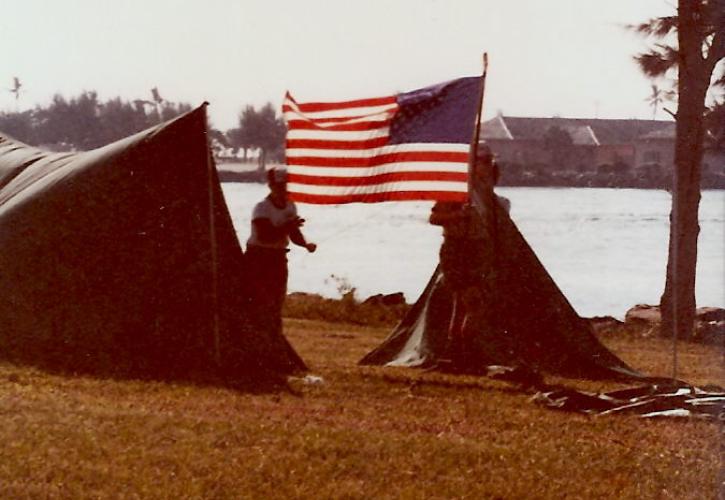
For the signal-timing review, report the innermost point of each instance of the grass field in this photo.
(361, 432)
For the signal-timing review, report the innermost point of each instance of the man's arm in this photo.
(268, 232)
(296, 237)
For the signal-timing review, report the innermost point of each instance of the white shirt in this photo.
(265, 209)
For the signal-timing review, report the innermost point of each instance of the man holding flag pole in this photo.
(467, 265)
(418, 145)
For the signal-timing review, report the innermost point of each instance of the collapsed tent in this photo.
(669, 399)
(124, 260)
(536, 325)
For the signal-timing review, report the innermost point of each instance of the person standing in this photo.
(275, 223)
(467, 258)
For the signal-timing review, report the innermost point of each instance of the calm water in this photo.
(605, 248)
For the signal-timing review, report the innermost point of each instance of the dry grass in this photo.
(362, 433)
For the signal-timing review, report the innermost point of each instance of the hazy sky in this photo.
(547, 57)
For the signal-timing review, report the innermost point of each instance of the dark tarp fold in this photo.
(536, 325)
(124, 260)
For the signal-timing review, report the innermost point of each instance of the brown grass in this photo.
(362, 433)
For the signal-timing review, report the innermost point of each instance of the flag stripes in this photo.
(377, 142)
(317, 107)
(438, 148)
(342, 135)
(347, 197)
(381, 169)
(443, 158)
(369, 180)
(342, 152)
(353, 125)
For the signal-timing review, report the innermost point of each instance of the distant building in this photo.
(713, 163)
(633, 147)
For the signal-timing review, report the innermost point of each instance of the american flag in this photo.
(408, 146)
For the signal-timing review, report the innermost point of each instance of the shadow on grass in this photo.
(424, 379)
(258, 381)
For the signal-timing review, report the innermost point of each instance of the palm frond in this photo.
(656, 63)
(669, 52)
(658, 27)
(671, 95)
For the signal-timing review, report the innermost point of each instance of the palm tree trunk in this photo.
(678, 300)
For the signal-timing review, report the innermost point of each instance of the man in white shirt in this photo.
(274, 224)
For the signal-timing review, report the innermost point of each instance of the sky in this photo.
(570, 58)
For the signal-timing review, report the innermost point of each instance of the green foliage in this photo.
(20, 125)
(261, 129)
(84, 122)
(657, 61)
(699, 49)
(659, 27)
(662, 57)
(656, 98)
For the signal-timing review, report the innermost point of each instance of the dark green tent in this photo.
(124, 260)
(535, 324)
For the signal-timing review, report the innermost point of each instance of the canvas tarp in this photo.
(124, 260)
(535, 324)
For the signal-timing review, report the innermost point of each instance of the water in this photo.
(605, 248)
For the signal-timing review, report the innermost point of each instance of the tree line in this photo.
(85, 122)
(261, 129)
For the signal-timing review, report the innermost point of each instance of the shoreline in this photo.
(249, 172)
(387, 310)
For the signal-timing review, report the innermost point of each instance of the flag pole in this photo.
(484, 203)
(473, 151)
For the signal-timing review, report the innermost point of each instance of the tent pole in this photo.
(675, 290)
(213, 248)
